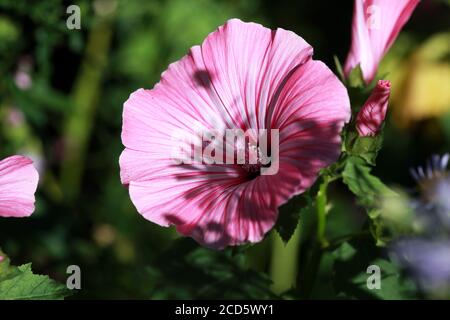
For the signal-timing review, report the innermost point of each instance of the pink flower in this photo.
(15, 117)
(243, 76)
(372, 114)
(376, 24)
(23, 80)
(18, 183)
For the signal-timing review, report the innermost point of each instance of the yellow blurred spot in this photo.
(421, 83)
(105, 235)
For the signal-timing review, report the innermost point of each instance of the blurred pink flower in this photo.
(243, 76)
(372, 114)
(23, 80)
(18, 183)
(376, 24)
(22, 77)
(15, 116)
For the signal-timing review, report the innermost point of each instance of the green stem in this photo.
(86, 93)
(319, 242)
(284, 262)
(321, 211)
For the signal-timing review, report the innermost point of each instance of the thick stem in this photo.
(86, 92)
(284, 262)
(321, 211)
(319, 242)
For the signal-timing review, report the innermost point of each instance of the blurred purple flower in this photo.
(427, 261)
(442, 199)
(433, 207)
(436, 168)
(427, 258)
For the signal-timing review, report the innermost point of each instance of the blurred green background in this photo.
(61, 96)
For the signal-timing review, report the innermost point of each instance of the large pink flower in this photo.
(243, 76)
(376, 24)
(18, 183)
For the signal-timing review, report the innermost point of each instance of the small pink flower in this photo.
(22, 77)
(18, 183)
(376, 24)
(243, 76)
(372, 114)
(23, 80)
(15, 117)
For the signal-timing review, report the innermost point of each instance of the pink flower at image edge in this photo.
(372, 114)
(18, 184)
(242, 76)
(376, 25)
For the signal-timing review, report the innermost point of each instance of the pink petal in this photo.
(242, 76)
(310, 113)
(217, 85)
(376, 25)
(18, 183)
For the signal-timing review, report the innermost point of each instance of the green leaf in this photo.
(19, 283)
(211, 274)
(289, 215)
(367, 148)
(339, 69)
(355, 78)
(350, 275)
(379, 229)
(445, 123)
(368, 188)
(371, 193)
(349, 141)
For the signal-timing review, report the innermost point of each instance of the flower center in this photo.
(254, 160)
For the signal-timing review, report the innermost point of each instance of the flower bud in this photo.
(372, 114)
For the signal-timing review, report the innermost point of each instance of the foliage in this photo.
(350, 274)
(212, 275)
(19, 283)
